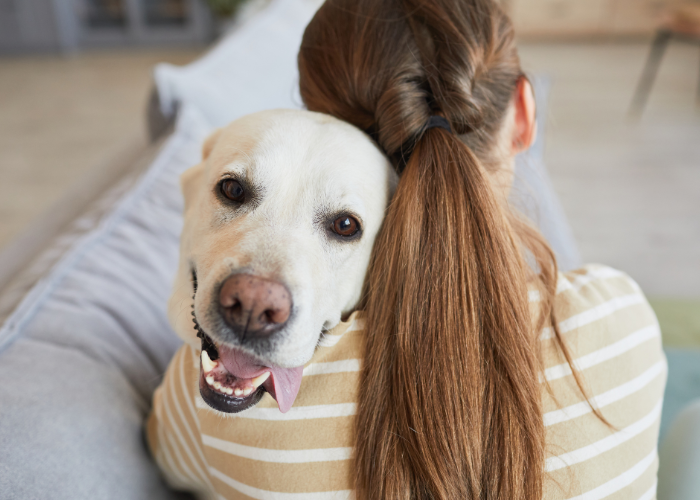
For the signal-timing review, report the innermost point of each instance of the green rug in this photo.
(680, 321)
(680, 329)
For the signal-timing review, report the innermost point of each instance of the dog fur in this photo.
(301, 170)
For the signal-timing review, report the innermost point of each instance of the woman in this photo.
(485, 374)
(453, 350)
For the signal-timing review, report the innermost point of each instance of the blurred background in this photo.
(76, 79)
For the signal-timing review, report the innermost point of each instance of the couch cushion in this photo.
(85, 349)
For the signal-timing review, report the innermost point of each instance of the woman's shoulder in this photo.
(603, 316)
(608, 326)
(614, 341)
(596, 292)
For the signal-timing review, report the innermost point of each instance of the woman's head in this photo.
(375, 65)
(449, 406)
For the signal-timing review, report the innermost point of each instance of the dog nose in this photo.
(254, 307)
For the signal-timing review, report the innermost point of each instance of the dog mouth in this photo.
(231, 380)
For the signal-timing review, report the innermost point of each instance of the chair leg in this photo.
(641, 95)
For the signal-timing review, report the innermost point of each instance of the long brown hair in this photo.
(449, 401)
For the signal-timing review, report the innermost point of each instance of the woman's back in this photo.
(614, 337)
(612, 334)
(451, 342)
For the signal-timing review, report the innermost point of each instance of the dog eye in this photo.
(346, 226)
(232, 190)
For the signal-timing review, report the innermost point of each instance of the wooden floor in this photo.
(61, 116)
(631, 190)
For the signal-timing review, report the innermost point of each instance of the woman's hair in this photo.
(449, 398)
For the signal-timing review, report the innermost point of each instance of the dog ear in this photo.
(209, 143)
(190, 179)
(180, 302)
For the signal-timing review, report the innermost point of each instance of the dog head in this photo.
(280, 219)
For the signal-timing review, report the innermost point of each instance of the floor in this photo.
(61, 116)
(631, 190)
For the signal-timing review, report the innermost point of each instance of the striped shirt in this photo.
(305, 454)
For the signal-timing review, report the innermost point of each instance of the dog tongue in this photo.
(283, 383)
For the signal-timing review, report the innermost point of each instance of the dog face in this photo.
(280, 219)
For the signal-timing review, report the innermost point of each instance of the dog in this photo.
(279, 223)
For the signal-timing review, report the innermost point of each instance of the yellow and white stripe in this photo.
(306, 453)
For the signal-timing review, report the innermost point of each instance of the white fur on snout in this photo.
(306, 168)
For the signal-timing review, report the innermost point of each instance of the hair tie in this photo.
(404, 152)
(439, 122)
(406, 149)
(433, 122)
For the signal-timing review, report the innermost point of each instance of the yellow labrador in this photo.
(280, 219)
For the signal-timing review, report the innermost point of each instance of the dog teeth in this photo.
(218, 386)
(258, 381)
(207, 364)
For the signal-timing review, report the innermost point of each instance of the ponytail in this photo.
(452, 396)
(449, 402)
